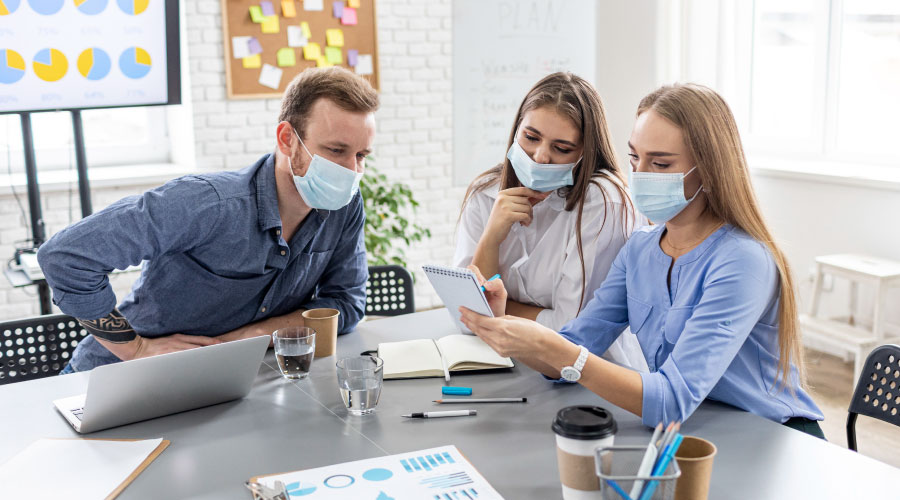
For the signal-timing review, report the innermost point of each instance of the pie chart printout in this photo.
(94, 64)
(12, 66)
(50, 65)
(91, 7)
(135, 62)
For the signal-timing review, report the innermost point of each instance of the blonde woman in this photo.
(552, 216)
(707, 292)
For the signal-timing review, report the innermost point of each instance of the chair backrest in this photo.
(389, 291)
(37, 347)
(877, 392)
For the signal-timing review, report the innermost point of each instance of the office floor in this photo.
(830, 380)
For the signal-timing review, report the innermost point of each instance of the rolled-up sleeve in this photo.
(736, 294)
(343, 284)
(77, 259)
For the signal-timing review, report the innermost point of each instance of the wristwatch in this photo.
(573, 373)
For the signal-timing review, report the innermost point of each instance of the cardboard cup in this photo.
(695, 458)
(325, 323)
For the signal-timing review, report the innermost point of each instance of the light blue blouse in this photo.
(713, 334)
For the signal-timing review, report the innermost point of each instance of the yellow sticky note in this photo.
(334, 37)
(256, 14)
(287, 8)
(312, 51)
(286, 56)
(270, 24)
(333, 55)
(305, 27)
(322, 62)
(254, 61)
(353, 3)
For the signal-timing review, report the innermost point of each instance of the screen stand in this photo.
(38, 234)
(84, 189)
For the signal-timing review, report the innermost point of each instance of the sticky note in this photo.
(322, 62)
(295, 37)
(333, 54)
(286, 57)
(314, 5)
(255, 46)
(364, 65)
(267, 8)
(334, 37)
(253, 61)
(256, 14)
(337, 8)
(240, 47)
(353, 3)
(349, 16)
(270, 76)
(352, 54)
(287, 8)
(312, 51)
(270, 24)
(306, 32)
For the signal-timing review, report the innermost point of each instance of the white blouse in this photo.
(540, 264)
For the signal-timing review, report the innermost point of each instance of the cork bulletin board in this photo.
(268, 42)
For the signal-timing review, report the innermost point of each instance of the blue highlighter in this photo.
(456, 391)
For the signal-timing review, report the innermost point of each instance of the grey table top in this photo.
(283, 426)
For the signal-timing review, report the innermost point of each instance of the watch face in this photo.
(569, 373)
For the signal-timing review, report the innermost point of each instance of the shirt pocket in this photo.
(675, 321)
(638, 312)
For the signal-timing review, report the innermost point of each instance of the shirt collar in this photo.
(267, 194)
(696, 252)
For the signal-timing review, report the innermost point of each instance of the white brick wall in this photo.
(412, 145)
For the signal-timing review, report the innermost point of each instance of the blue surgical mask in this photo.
(660, 196)
(541, 177)
(326, 185)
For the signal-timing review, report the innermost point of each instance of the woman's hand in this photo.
(509, 336)
(511, 206)
(494, 292)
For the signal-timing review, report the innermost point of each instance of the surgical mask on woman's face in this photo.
(541, 177)
(326, 185)
(660, 196)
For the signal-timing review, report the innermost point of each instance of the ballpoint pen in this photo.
(481, 400)
(436, 414)
(492, 278)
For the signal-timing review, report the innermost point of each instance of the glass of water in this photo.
(294, 350)
(360, 379)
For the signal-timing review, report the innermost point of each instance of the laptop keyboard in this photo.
(78, 412)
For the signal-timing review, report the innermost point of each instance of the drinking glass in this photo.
(294, 349)
(360, 379)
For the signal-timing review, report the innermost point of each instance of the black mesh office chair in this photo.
(877, 392)
(37, 347)
(389, 291)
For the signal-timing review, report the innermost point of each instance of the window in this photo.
(114, 136)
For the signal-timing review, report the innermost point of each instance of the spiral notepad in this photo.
(457, 287)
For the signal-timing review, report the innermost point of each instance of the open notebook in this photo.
(426, 357)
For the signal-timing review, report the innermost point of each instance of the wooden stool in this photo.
(844, 334)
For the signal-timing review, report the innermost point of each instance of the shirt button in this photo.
(263, 309)
(278, 232)
(282, 252)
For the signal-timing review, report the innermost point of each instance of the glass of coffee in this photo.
(359, 380)
(294, 350)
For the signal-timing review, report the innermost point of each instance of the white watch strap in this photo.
(582, 359)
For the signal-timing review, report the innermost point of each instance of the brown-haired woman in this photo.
(552, 216)
(707, 292)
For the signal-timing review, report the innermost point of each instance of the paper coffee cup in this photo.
(325, 323)
(695, 459)
(579, 431)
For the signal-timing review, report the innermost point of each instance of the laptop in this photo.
(141, 389)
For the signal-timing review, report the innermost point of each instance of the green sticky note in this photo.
(286, 57)
(333, 55)
(256, 14)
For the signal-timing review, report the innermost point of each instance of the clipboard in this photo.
(457, 286)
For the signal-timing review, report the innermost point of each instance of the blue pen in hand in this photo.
(492, 278)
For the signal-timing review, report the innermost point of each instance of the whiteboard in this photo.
(501, 48)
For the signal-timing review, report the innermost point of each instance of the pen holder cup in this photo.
(617, 466)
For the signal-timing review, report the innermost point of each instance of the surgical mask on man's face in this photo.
(326, 185)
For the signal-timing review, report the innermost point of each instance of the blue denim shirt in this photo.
(213, 259)
(712, 333)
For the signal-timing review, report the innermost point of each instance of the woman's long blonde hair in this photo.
(711, 134)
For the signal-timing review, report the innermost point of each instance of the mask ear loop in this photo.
(698, 189)
(301, 143)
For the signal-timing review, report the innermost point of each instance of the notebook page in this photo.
(410, 358)
(468, 350)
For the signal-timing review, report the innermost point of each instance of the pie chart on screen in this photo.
(12, 66)
(91, 7)
(135, 62)
(7, 7)
(46, 7)
(133, 7)
(50, 65)
(94, 64)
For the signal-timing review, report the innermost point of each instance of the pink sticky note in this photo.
(352, 54)
(267, 8)
(349, 16)
(255, 47)
(338, 9)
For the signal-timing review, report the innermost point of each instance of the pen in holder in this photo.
(617, 468)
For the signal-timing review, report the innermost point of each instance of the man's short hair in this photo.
(346, 89)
